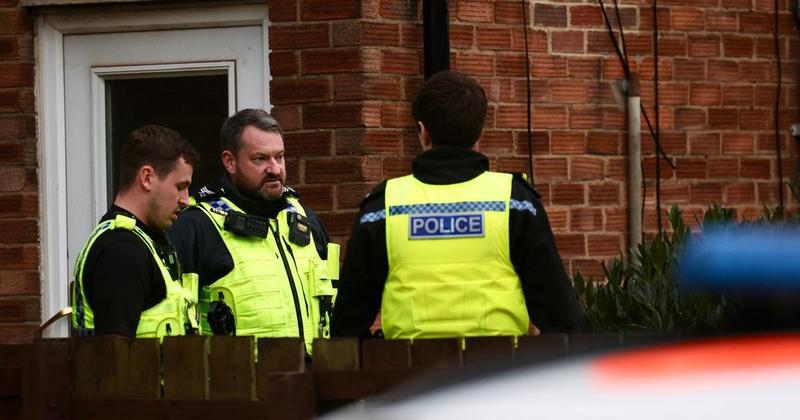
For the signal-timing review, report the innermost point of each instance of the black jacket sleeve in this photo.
(122, 284)
(199, 246)
(364, 272)
(319, 232)
(551, 300)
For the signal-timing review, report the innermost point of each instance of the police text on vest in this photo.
(445, 226)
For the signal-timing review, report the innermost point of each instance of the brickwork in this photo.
(346, 77)
(717, 90)
(19, 212)
(344, 72)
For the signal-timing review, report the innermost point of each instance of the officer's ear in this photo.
(229, 162)
(146, 177)
(424, 136)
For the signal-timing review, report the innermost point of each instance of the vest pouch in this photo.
(169, 327)
(441, 309)
(319, 282)
(504, 312)
(221, 315)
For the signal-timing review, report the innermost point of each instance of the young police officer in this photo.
(127, 278)
(453, 249)
(258, 253)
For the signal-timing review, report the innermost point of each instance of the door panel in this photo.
(87, 157)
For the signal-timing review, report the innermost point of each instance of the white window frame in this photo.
(50, 30)
(101, 74)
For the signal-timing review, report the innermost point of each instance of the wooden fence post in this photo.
(185, 368)
(46, 384)
(231, 368)
(437, 353)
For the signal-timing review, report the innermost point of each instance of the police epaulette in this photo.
(207, 193)
(523, 179)
(376, 192)
(289, 190)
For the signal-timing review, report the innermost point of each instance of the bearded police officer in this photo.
(127, 277)
(258, 254)
(453, 249)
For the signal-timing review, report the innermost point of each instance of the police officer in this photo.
(127, 277)
(453, 249)
(259, 255)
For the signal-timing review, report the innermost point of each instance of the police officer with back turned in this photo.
(127, 277)
(258, 254)
(454, 249)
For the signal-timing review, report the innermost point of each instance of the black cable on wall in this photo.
(778, 107)
(654, 132)
(658, 122)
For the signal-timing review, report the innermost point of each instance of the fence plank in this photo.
(437, 353)
(46, 383)
(11, 407)
(336, 385)
(11, 355)
(216, 410)
(483, 350)
(336, 354)
(386, 354)
(289, 395)
(542, 347)
(281, 355)
(117, 409)
(231, 368)
(93, 370)
(185, 367)
(138, 368)
(643, 339)
(589, 343)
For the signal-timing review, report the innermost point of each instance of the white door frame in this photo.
(50, 30)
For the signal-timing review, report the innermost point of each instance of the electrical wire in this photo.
(626, 70)
(796, 15)
(654, 132)
(621, 34)
(528, 83)
(658, 123)
(777, 109)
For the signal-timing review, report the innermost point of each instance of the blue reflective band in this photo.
(522, 206)
(373, 217)
(445, 226)
(448, 208)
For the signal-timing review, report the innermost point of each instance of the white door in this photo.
(185, 79)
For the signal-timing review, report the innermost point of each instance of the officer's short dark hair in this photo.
(232, 128)
(453, 108)
(157, 146)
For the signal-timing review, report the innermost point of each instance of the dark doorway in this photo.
(195, 106)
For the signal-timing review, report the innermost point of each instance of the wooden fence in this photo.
(219, 378)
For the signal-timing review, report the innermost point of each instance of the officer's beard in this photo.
(259, 193)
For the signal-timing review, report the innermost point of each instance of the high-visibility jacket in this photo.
(171, 316)
(450, 271)
(274, 286)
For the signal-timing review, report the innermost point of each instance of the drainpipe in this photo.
(435, 36)
(634, 162)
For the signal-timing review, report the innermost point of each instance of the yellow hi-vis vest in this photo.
(169, 317)
(274, 285)
(450, 271)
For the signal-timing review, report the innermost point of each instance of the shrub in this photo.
(643, 293)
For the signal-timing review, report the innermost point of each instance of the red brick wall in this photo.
(344, 72)
(19, 211)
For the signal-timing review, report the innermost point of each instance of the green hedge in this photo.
(643, 293)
